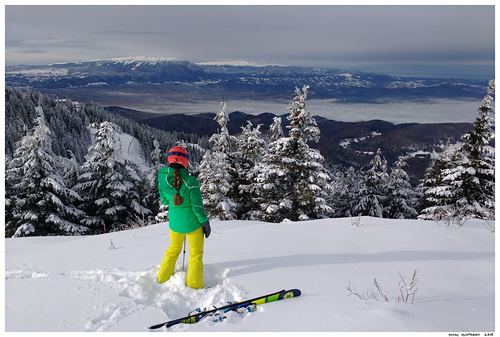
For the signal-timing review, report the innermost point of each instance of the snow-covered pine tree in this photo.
(39, 201)
(152, 199)
(478, 174)
(294, 182)
(112, 187)
(302, 126)
(402, 198)
(270, 202)
(250, 149)
(345, 190)
(276, 129)
(217, 172)
(373, 193)
(70, 169)
(66, 122)
(466, 188)
(435, 193)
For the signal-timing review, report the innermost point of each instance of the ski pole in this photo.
(184, 254)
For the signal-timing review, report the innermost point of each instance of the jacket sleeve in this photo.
(197, 202)
(163, 198)
(162, 176)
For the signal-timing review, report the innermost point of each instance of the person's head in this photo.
(178, 157)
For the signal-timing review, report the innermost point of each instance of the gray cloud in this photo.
(420, 40)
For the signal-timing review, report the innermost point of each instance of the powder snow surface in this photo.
(108, 282)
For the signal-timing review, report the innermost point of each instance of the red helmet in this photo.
(178, 155)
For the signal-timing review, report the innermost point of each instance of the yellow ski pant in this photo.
(194, 278)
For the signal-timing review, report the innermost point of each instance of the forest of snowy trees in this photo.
(66, 173)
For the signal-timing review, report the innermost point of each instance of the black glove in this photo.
(206, 229)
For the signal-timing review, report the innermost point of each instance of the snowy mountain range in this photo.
(182, 80)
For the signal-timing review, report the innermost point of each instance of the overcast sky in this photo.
(449, 41)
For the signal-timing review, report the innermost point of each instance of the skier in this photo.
(187, 217)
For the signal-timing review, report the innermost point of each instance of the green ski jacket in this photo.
(188, 216)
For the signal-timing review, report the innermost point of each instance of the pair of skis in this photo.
(247, 305)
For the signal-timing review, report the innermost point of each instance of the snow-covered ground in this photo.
(108, 282)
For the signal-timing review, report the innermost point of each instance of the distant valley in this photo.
(160, 85)
(145, 89)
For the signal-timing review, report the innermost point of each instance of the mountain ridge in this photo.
(169, 79)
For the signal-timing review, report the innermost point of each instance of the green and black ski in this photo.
(237, 306)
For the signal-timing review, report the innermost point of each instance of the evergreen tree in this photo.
(437, 196)
(112, 187)
(276, 130)
(152, 199)
(217, 173)
(70, 169)
(303, 127)
(433, 177)
(250, 151)
(465, 187)
(294, 183)
(345, 190)
(250, 146)
(478, 169)
(402, 199)
(267, 196)
(373, 193)
(38, 200)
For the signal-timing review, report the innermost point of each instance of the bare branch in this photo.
(379, 288)
(408, 290)
(353, 292)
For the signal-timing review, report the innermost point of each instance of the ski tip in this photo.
(157, 326)
(293, 293)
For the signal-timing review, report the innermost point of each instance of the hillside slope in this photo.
(108, 282)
